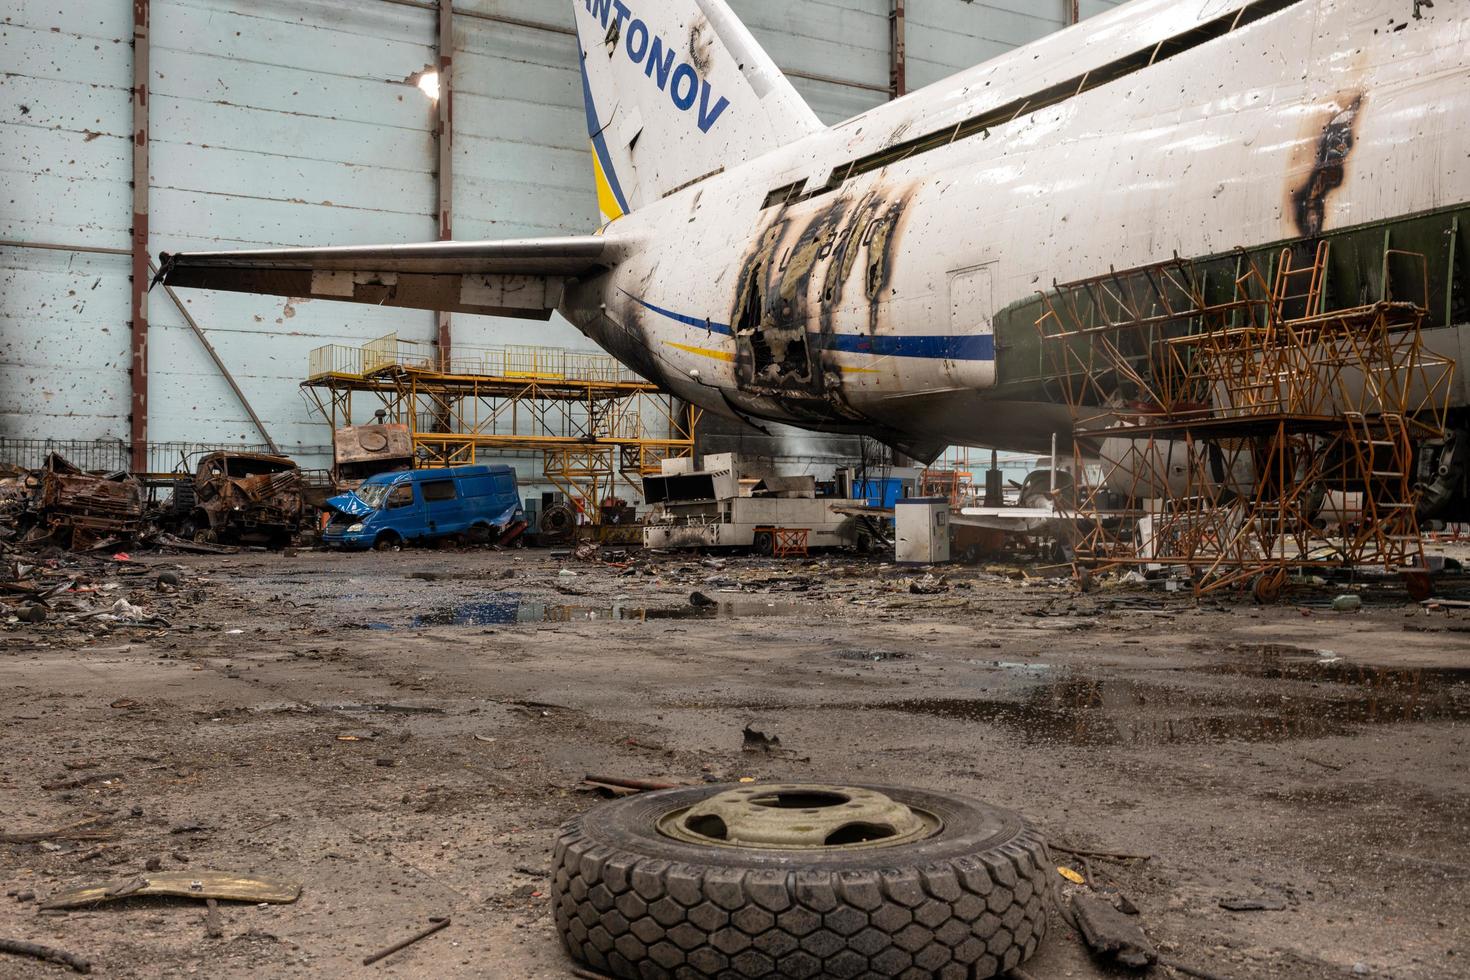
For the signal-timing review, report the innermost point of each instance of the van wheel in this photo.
(765, 543)
(388, 541)
(480, 534)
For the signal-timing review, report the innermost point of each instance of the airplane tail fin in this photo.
(677, 90)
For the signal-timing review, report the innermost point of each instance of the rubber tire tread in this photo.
(966, 918)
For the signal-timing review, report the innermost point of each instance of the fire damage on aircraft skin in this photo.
(797, 276)
(1333, 147)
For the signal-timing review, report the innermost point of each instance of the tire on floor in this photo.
(967, 901)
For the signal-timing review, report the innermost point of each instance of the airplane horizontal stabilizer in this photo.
(516, 278)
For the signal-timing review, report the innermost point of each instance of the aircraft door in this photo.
(971, 360)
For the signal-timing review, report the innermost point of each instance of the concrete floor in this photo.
(1292, 753)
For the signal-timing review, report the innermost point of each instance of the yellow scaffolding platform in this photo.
(597, 426)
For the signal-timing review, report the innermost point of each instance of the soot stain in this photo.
(1334, 146)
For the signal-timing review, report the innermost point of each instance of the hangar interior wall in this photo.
(292, 122)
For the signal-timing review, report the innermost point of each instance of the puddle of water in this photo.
(1079, 709)
(509, 609)
(870, 656)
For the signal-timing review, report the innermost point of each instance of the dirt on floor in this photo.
(402, 734)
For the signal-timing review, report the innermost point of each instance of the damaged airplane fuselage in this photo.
(883, 276)
(880, 276)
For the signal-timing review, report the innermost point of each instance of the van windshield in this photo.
(373, 495)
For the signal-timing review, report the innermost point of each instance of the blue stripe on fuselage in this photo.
(949, 347)
(594, 130)
(707, 325)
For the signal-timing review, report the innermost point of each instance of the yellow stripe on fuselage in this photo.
(607, 201)
(718, 355)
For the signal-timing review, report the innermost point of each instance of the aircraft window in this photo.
(781, 195)
(1062, 92)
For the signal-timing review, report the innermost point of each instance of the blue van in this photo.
(479, 503)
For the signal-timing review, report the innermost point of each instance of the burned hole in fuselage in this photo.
(777, 337)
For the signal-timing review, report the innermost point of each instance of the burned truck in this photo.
(240, 498)
(72, 508)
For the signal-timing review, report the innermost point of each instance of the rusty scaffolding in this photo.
(597, 427)
(1239, 429)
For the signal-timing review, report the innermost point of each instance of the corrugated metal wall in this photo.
(289, 122)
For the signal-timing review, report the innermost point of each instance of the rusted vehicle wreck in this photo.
(238, 498)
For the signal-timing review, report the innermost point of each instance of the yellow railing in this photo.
(522, 362)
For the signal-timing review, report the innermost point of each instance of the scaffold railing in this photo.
(1247, 435)
(518, 362)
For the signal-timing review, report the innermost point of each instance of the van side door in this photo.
(441, 505)
(403, 512)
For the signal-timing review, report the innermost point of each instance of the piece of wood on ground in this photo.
(1111, 933)
(77, 782)
(182, 884)
(1259, 903)
(48, 953)
(213, 928)
(636, 785)
(435, 924)
(81, 830)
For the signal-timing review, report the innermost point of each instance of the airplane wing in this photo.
(517, 278)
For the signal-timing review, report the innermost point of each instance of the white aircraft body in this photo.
(882, 275)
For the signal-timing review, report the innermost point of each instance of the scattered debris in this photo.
(79, 781)
(929, 585)
(48, 953)
(436, 923)
(1264, 903)
(1113, 934)
(754, 740)
(1103, 855)
(627, 786)
(182, 884)
(81, 830)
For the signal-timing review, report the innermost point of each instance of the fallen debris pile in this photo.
(60, 588)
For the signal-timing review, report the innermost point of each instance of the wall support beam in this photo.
(898, 81)
(1074, 13)
(219, 364)
(138, 328)
(183, 310)
(444, 138)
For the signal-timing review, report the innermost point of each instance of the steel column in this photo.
(138, 416)
(898, 82)
(1074, 13)
(444, 138)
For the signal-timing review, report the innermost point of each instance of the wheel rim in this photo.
(799, 816)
